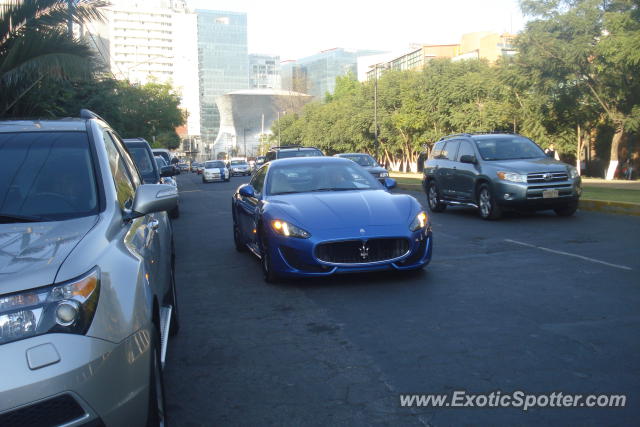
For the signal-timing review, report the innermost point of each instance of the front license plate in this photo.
(550, 194)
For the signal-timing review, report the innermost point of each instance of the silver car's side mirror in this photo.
(152, 198)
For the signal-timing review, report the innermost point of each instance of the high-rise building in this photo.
(316, 74)
(223, 64)
(152, 40)
(264, 71)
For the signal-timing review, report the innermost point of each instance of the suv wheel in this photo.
(487, 205)
(435, 205)
(567, 210)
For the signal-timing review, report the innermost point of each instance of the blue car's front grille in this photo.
(362, 251)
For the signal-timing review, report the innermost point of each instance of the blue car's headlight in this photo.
(68, 307)
(420, 221)
(289, 230)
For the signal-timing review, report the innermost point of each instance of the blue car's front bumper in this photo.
(293, 257)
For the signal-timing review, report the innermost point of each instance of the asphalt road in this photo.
(536, 303)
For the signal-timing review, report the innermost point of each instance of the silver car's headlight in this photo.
(384, 174)
(512, 176)
(573, 172)
(289, 230)
(419, 222)
(65, 308)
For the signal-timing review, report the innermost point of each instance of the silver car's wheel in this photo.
(487, 206)
(435, 205)
(485, 203)
(157, 416)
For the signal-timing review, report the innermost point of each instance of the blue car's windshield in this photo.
(511, 148)
(46, 176)
(321, 176)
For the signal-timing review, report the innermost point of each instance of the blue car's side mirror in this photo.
(390, 183)
(247, 191)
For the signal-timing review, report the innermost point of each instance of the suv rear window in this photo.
(47, 175)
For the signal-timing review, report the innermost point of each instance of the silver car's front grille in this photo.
(544, 177)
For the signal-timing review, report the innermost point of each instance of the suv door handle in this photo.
(154, 224)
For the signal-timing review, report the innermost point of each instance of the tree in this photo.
(35, 45)
(150, 111)
(592, 45)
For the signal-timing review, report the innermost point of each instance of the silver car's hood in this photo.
(31, 253)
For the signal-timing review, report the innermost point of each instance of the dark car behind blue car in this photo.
(319, 216)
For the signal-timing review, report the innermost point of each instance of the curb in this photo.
(618, 208)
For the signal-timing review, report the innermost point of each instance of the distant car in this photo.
(87, 290)
(308, 217)
(239, 167)
(166, 155)
(215, 170)
(259, 162)
(184, 167)
(287, 151)
(497, 172)
(196, 167)
(162, 165)
(149, 169)
(367, 162)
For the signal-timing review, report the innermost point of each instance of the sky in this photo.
(294, 29)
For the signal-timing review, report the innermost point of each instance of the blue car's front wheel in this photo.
(267, 266)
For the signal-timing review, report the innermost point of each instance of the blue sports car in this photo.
(318, 216)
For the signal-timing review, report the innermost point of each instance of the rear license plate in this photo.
(550, 194)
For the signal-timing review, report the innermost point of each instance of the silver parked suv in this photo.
(87, 293)
(497, 172)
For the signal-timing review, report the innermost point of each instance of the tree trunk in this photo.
(615, 144)
(579, 150)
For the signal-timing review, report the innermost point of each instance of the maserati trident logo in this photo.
(547, 176)
(364, 251)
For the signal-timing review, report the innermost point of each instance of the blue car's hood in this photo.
(337, 209)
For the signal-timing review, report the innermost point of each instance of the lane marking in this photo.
(553, 251)
(189, 191)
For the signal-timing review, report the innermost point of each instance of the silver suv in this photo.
(87, 291)
(496, 172)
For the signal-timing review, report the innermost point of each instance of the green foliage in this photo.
(145, 111)
(578, 67)
(35, 45)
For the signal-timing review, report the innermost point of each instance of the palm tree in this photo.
(35, 44)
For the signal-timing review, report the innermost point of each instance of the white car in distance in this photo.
(215, 170)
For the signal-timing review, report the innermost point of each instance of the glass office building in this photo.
(223, 62)
(316, 75)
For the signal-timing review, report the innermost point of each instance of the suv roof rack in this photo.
(453, 135)
(88, 114)
(278, 147)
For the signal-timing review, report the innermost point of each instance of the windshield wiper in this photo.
(9, 218)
